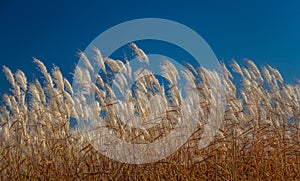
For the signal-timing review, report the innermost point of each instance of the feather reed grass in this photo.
(258, 140)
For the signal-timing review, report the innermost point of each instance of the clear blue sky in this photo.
(267, 32)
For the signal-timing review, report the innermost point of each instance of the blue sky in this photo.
(266, 32)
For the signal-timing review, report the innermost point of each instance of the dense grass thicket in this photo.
(258, 140)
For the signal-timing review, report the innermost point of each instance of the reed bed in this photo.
(258, 140)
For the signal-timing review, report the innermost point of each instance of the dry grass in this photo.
(259, 138)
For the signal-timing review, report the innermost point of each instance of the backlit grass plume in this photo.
(258, 140)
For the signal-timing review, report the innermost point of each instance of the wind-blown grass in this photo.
(259, 138)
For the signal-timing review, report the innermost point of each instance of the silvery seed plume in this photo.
(140, 54)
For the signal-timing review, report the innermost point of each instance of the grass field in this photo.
(258, 140)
